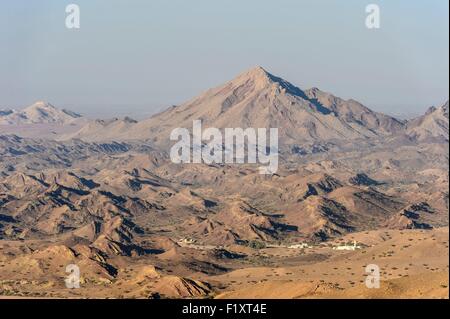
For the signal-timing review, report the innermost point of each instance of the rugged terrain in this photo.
(104, 195)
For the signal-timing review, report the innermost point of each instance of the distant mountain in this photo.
(259, 99)
(38, 113)
(103, 129)
(432, 125)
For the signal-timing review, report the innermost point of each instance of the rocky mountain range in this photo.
(104, 194)
(255, 99)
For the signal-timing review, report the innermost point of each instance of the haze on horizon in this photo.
(135, 59)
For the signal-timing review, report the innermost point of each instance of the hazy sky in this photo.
(137, 56)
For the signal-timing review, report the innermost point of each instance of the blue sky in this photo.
(138, 56)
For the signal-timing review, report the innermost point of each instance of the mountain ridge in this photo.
(258, 99)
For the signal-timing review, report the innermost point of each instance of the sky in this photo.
(136, 57)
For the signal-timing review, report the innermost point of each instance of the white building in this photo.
(348, 247)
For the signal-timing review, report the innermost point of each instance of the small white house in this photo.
(348, 247)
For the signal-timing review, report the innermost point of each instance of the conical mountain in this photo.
(258, 99)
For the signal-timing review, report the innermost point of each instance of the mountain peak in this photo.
(258, 71)
(38, 113)
(430, 110)
(41, 104)
(442, 109)
(433, 124)
(262, 80)
(258, 99)
(257, 74)
(314, 92)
